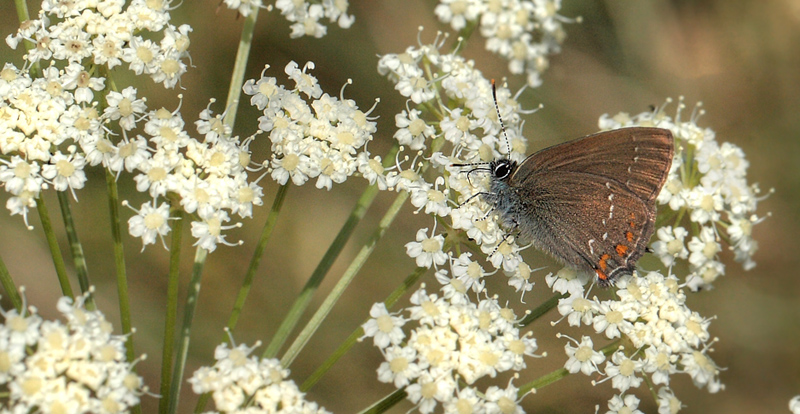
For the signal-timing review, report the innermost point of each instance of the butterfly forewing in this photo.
(638, 158)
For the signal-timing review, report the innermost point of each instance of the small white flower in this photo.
(622, 371)
(670, 244)
(628, 404)
(384, 328)
(426, 250)
(151, 221)
(583, 357)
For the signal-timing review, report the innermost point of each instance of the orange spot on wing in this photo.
(602, 263)
(629, 236)
(621, 249)
(601, 275)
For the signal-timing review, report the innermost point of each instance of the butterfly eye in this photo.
(502, 169)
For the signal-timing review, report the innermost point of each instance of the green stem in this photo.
(55, 251)
(560, 373)
(10, 287)
(344, 281)
(302, 301)
(186, 329)
(251, 272)
(266, 232)
(542, 309)
(81, 270)
(119, 262)
(168, 346)
(22, 10)
(239, 66)
(542, 381)
(351, 340)
(385, 403)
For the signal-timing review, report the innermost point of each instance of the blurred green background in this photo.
(740, 58)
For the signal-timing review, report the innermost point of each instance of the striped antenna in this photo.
(500, 118)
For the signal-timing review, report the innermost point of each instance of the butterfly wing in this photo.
(591, 202)
(637, 157)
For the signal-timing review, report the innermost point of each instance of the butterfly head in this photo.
(502, 168)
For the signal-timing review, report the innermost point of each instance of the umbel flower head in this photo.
(241, 383)
(452, 343)
(75, 366)
(524, 32)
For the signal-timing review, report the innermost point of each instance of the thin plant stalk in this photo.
(173, 284)
(266, 232)
(186, 330)
(9, 286)
(55, 251)
(119, 264)
(386, 402)
(239, 66)
(348, 276)
(304, 298)
(78, 258)
(351, 340)
(302, 301)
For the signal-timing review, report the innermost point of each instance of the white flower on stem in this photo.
(703, 370)
(667, 403)
(704, 248)
(400, 367)
(18, 175)
(427, 251)
(130, 154)
(469, 272)
(208, 232)
(243, 7)
(614, 317)
(150, 221)
(567, 280)
(660, 362)
(622, 370)
(428, 390)
(65, 171)
(670, 244)
(628, 404)
(503, 400)
(384, 328)
(78, 79)
(577, 309)
(412, 130)
(124, 107)
(582, 357)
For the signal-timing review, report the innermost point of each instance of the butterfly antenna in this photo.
(500, 118)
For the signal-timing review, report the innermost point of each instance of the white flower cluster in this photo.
(305, 15)
(660, 336)
(454, 343)
(323, 138)
(459, 110)
(54, 130)
(525, 32)
(72, 367)
(107, 33)
(708, 185)
(240, 383)
(243, 7)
